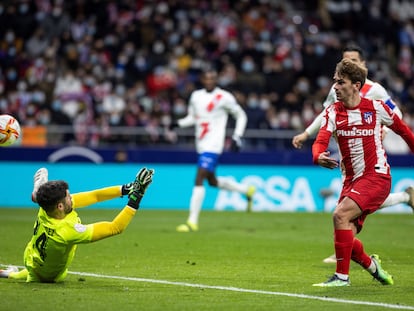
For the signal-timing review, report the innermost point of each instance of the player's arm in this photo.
(311, 130)
(314, 127)
(86, 198)
(189, 119)
(320, 153)
(237, 112)
(106, 229)
(400, 128)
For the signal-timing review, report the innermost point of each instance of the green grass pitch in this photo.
(237, 261)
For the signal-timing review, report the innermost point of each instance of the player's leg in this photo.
(206, 166)
(5, 273)
(196, 202)
(406, 197)
(231, 185)
(393, 198)
(370, 263)
(39, 178)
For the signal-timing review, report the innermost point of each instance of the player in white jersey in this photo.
(208, 112)
(370, 90)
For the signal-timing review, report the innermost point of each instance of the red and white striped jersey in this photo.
(208, 112)
(358, 132)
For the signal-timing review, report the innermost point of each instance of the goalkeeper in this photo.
(58, 229)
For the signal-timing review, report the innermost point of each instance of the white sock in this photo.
(228, 184)
(372, 267)
(197, 198)
(395, 198)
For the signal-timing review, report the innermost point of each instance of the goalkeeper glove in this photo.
(236, 143)
(139, 186)
(125, 189)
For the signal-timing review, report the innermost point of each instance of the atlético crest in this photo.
(368, 117)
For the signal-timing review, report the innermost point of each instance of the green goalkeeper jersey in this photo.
(53, 245)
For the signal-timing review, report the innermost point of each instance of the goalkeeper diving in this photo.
(58, 229)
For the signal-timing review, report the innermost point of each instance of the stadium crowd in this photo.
(97, 65)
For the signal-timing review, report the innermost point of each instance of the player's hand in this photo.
(139, 186)
(325, 160)
(236, 143)
(299, 139)
(125, 189)
(172, 125)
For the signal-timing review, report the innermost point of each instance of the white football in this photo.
(9, 130)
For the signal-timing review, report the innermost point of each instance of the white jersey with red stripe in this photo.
(370, 90)
(358, 132)
(208, 112)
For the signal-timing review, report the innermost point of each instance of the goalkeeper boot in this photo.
(251, 190)
(380, 274)
(39, 178)
(187, 227)
(330, 259)
(410, 191)
(4, 273)
(334, 281)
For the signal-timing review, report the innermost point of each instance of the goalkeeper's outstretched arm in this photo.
(137, 190)
(82, 199)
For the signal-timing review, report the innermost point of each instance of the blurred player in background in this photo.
(208, 111)
(370, 90)
(357, 124)
(58, 229)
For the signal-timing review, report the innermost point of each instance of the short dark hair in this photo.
(354, 48)
(51, 193)
(352, 70)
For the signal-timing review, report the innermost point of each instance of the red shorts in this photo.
(369, 192)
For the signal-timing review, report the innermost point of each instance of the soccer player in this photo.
(58, 229)
(357, 123)
(371, 90)
(208, 111)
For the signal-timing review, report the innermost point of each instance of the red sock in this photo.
(344, 239)
(358, 254)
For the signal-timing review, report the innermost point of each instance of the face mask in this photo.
(303, 87)
(158, 48)
(179, 109)
(44, 118)
(247, 66)
(114, 119)
(11, 75)
(265, 35)
(252, 103)
(197, 33)
(319, 49)
(57, 105)
(23, 8)
(9, 37)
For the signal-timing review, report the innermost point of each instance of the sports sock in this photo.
(343, 249)
(20, 275)
(228, 184)
(358, 254)
(196, 202)
(395, 198)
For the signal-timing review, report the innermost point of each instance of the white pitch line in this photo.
(244, 290)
